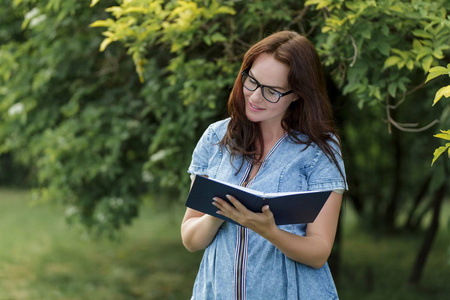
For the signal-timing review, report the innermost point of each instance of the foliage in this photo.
(377, 53)
(444, 91)
(356, 36)
(94, 137)
(100, 138)
(72, 114)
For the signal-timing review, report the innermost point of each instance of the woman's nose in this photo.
(257, 95)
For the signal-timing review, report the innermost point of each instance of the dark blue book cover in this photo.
(287, 208)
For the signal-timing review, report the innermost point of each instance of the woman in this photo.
(279, 138)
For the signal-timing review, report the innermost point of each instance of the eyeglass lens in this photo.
(251, 84)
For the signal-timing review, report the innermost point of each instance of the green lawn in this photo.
(42, 258)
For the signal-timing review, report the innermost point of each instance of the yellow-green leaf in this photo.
(410, 65)
(218, 37)
(325, 29)
(439, 151)
(445, 91)
(105, 44)
(417, 44)
(391, 61)
(435, 72)
(136, 9)
(93, 2)
(396, 8)
(426, 62)
(438, 54)
(226, 10)
(102, 23)
(313, 2)
(423, 34)
(445, 135)
(117, 11)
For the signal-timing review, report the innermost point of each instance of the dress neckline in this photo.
(246, 180)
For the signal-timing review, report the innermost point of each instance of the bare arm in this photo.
(312, 249)
(198, 229)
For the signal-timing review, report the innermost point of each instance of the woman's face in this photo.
(270, 72)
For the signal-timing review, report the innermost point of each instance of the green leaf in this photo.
(396, 8)
(422, 34)
(392, 89)
(439, 151)
(384, 48)
(218, 37)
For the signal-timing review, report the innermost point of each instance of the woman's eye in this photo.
(273, 92)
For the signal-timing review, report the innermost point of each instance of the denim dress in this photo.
(240, 264)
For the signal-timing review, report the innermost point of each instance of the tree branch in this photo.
(355, 51)
(406, 127)
(298, 19)
(407, 93)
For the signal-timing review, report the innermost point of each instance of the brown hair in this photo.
(311, 114)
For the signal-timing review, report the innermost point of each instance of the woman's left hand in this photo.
(258, 222)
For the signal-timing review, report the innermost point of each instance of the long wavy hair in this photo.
(311, 114)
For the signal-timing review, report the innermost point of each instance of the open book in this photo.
(287, 208)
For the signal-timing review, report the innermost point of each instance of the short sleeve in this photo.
(324, 174)
(201, 154)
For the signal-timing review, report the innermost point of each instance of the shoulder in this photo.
(219, 129)
(312, 153)
(299, 138)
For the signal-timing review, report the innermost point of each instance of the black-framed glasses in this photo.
(269, 93)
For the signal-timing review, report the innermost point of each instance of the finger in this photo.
(236, 203)
(221, 204)
(266, 211)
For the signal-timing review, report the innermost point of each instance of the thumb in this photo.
(266, 209)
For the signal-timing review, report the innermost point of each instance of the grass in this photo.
(42, 258)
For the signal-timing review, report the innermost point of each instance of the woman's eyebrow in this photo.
(274, 87)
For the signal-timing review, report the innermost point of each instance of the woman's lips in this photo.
(254, 107)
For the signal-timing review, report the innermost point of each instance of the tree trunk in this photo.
(392, 208)
(355, 193)
(334, 260)
(410, 224)
(430, 235)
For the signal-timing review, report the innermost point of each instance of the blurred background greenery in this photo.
(102, 103)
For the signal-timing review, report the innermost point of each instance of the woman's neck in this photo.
(271, 133)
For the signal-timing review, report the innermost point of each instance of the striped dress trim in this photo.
(241, 251)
